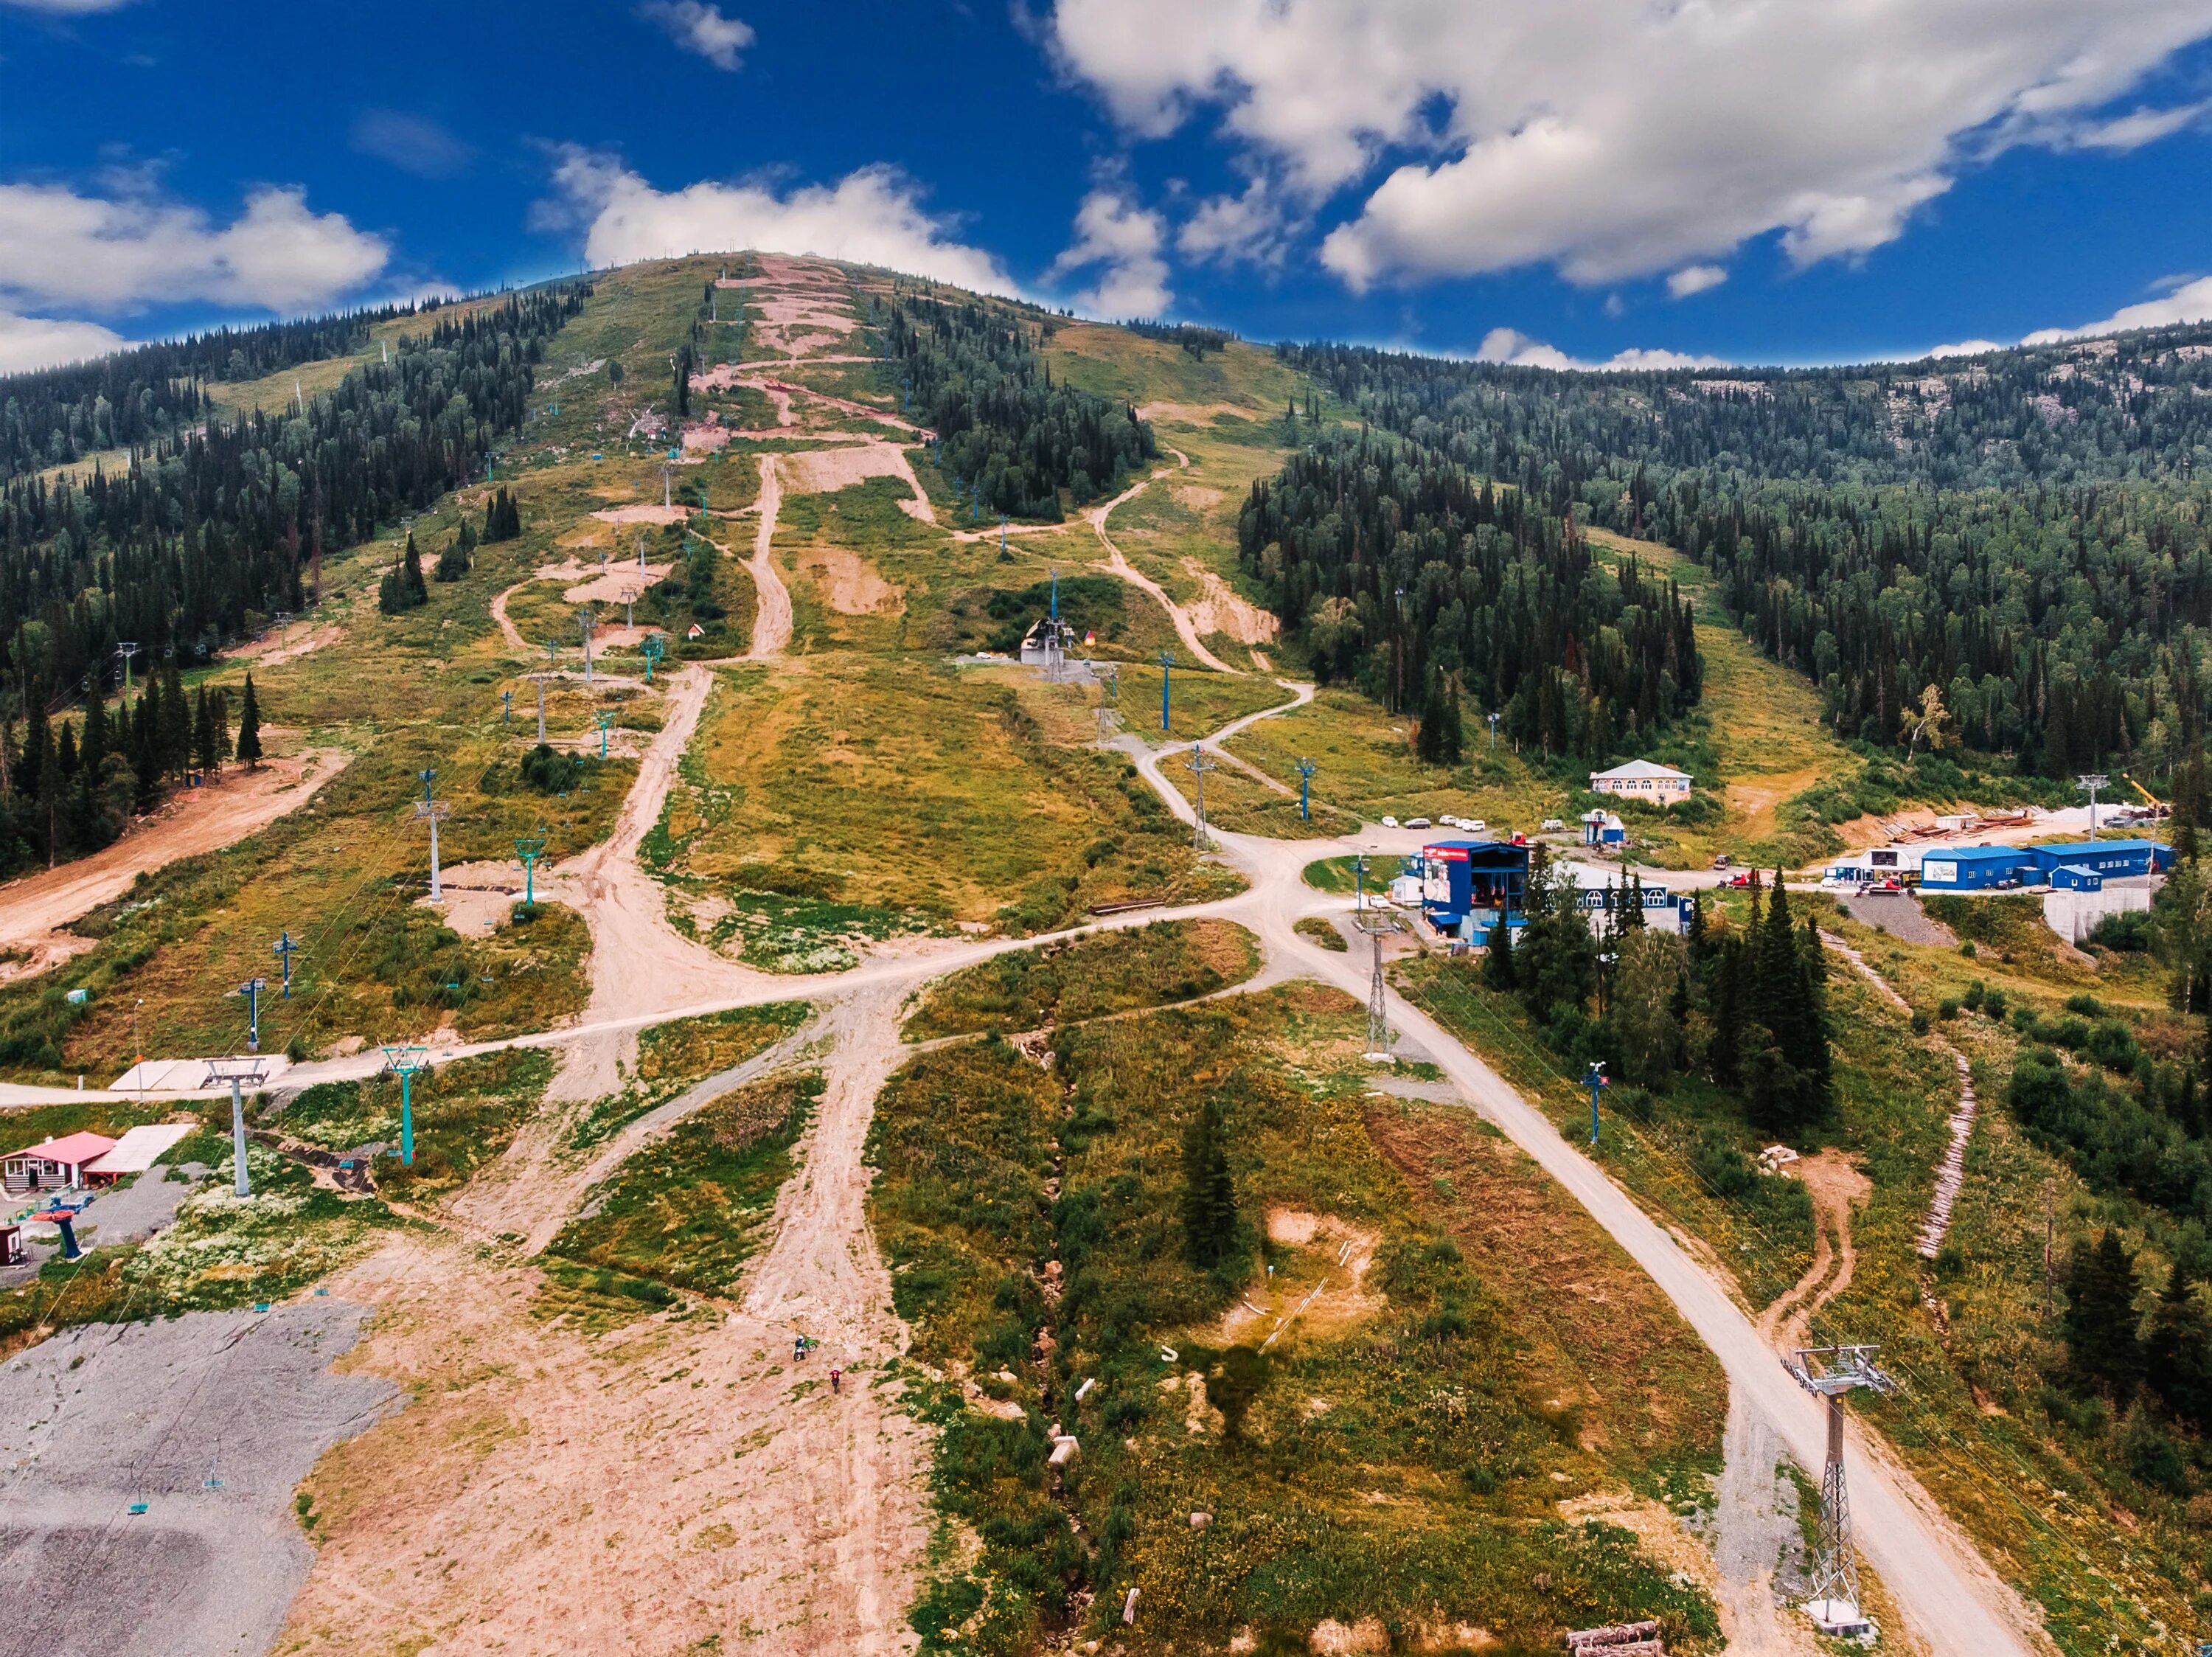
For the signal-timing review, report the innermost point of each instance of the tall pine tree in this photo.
(1209, 1197)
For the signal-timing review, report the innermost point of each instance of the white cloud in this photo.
(68, 7)
(1113, 231)
(413, 143)
(1517, 349)
(702, 29)
(59, 248)
(1695, 279)
(1615, 139)
(872, 216)
(1964, 348)
(1251, 228)
(37, 342)
(2138, 127)
(2187, 301)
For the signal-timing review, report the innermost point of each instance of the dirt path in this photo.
(772, 613)
(1758, 1547)
(507, 630)
(1837, 1188)
(639, 962)
(34, 910)
(1185, 629)
(1951, 1172)
(659, 1488)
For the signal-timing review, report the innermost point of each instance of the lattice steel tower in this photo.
(1829, 1373)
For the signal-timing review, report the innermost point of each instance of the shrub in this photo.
(1993, 1004)
(2128, 933)
(551, 771)
(2088, 1006)
(1973, 997)
(1968, 950)
(1920, 1022)
(1948, 1009)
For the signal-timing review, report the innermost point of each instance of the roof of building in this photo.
(69, 1150)
(2068, 850)
(1978, 854)
(140, 1148)
(1636, 770)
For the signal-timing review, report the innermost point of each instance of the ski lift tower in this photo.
(1377, 924)
(238, 1072)
(1829, 1373)
(433, 812)
(1199, 763)
(539, 680)
(406, 1061)
(2090, 785)
(126, 650)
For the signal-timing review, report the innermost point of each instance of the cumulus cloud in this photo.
(38, 342)
(872, 216)
(2182, 302)
(702, 29)
(1612, 140)
(117, 255)
(1248, 228)
(1695, 279)
(1123, 239)
(1511, 346)
(1964, 348)
(413, 143)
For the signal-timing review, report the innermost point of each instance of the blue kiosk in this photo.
(1469, 886)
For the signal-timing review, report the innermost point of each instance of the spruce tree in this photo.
(2177, 1352)
(1497, 960)
(204, 753)
(249, 728)
(1209, 1200)
(2100, 1323)
(1451, 741)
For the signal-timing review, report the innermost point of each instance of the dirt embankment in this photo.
(34, 910)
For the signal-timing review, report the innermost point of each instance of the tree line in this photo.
(205, 535)
(1008, 436)
(135, 398)
(1407, 574)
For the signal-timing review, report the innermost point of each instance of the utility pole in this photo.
(528, 850)
(606, 717)
(126, 650)
(2049, 1224)
(1398, 647)
(2089, 784)
(587, 621)
(506, 707)
(283, 949)
(1200, 764)
(1306, 769)
(1167, 671)
(667, 486)
(1493, 732)
(433, 812)
(541, 679)
(653, 647)
(404, 1062)
(1594, 1078)
(1829, 1373)
(1377, 924)
(238, 1072)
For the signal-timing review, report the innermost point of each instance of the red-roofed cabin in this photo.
(56, 1165)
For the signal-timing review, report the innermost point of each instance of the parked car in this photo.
(1552, 826)
(1476, 826)
(1417, 822)
(1389, 822)
(1740, 878)
(1723, 861)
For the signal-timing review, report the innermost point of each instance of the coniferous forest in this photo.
(1421, 582)
(2024, 531)
(208, 533)
(1010, 438)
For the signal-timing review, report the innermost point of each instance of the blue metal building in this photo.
(1976, 868)
(1468, 887)
(2109, 859)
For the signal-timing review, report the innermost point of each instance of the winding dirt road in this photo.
(772, 611)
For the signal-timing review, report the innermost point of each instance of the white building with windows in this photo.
(1639, 779)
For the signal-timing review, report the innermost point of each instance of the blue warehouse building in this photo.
(1469, 886)
(2081, 865)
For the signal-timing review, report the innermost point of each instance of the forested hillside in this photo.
(971, 375)
(138, 397)
(1419, 582)
(207, 535)
(2020, 531)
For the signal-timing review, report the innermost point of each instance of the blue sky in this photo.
(1728, 179)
